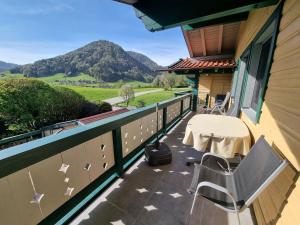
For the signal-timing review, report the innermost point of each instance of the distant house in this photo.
(101, 116)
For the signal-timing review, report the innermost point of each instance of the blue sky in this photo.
(36, 29)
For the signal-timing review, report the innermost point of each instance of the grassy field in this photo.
(152, 98)
(61, 76)
(94, 94)
(82, 76)
(4, 75)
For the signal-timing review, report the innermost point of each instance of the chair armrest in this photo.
(218, 188)
(216, 156)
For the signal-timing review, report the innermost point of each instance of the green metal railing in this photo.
(26, 155)
(32, 135)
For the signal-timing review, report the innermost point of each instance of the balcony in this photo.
(94, 174)
(157, 195)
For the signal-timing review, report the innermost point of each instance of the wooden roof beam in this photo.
(203, 42)
(187, 41)
(220, 38)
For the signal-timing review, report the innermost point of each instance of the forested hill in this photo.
(103, 60)
(145, 60)
(6, 66)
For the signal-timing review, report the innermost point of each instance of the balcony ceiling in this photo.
(159, 15)
(212, 40)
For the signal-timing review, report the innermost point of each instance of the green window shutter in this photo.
(235, 80)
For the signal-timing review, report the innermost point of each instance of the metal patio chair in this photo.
(233, 191)
(220, 105)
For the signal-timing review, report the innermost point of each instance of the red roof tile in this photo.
(200, 63)
(101, 116)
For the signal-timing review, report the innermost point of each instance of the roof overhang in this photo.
(209, 64)
(159, 15)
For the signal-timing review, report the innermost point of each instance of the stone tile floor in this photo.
(157, 195)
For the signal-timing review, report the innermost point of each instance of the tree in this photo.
(168, 81)
(181, 81)
(127, 93)
(156, 82)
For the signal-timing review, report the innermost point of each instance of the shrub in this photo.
(140, 103)
(24, 103)
(29, 104)
(104, 106)
(70, 104)
(89, 109)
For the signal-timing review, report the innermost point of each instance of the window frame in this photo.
(263, 35)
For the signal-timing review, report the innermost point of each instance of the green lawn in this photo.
(152, 98)
(134, 84)
(7, 74)
(94, 94)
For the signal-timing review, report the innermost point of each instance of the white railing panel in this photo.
(49, 181)
(100, 155)
(16, 192)
(76, 174)
(173, 111)
(186, 103)
(137, 132)
(131, 136)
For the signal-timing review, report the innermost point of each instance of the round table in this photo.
(223, 135)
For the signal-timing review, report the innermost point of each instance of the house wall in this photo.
(280, 118)
(213, 84)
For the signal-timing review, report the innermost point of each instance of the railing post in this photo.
(181, 108)
(164, 120)
(117, 141)
(191, 97)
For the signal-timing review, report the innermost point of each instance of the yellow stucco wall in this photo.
(280, 118)
(213, 84)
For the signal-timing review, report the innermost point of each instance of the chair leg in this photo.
(238, 217)
(194, 200)
(212, 110)
(195, 179)
(237, 212)
(220, 110)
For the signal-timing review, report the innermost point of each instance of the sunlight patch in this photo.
(150, 208)
(142, 190)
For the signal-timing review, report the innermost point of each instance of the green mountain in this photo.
(103, 60)
(6, 66)
(145, 60)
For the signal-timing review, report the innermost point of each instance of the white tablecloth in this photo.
(228, 135)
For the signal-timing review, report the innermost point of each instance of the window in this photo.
(266, 47)
(258, 63)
